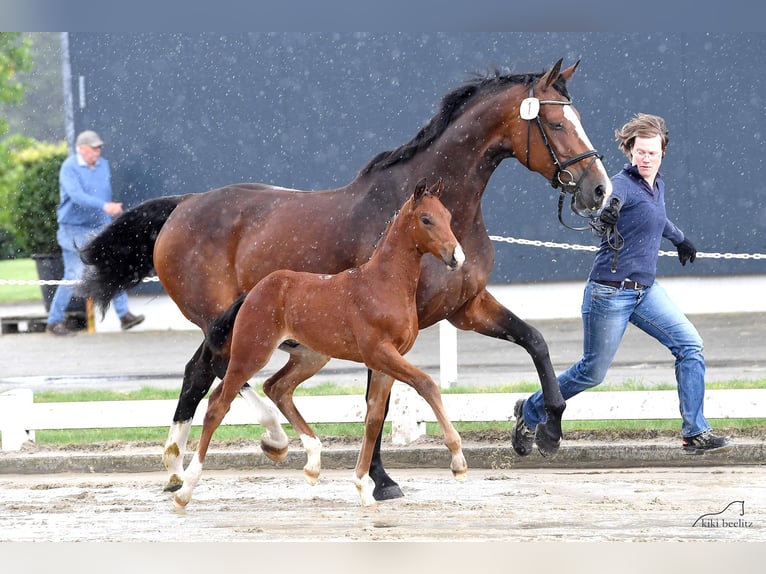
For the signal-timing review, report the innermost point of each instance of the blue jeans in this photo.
(606, 312)
(69, 238)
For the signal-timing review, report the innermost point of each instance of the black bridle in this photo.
(562, 177)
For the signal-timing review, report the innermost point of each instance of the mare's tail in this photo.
(219, 331)
(122, 254)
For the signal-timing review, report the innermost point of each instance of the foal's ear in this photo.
(420, 189)
(437, 188)
(551, 75)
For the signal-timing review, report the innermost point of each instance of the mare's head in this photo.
(430, 224)
(548, 138)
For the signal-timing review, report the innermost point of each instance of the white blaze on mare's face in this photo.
(571, 116)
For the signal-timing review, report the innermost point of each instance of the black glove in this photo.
(610, 214)
(686, 252)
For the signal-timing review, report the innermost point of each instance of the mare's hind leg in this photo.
(485, 315)
(385, 486)
(302, 364)
(198, 378)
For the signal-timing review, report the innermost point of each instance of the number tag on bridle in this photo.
(529, 108)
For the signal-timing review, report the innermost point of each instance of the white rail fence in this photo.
(20, 416)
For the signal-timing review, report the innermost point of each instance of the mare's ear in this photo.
(437, 188)
(551, 75)
(567, 74)
(420, 189)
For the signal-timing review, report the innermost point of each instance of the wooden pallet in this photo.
(29, 324)
(37, 323)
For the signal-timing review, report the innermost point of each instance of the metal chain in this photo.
(513, 240)
(57, 281)
(575, 247)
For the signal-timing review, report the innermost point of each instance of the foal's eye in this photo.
(426, 220)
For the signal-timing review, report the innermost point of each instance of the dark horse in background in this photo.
(209, 248)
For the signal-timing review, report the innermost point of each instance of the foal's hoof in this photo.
(460, 475)
(175, 482)
(274, 453)
(311, 475)
(548, 440)
(179, 502)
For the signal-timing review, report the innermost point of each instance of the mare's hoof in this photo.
(174, 483)
(179, 502)
(388, 491)
(274, 453)
(548, 442)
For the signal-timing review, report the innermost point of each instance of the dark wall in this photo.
(190, 112)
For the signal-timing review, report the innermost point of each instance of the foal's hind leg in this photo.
(302, 364)
(198, 378)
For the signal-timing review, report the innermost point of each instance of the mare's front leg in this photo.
(385, 487)
(198, 378)
(377, 398)
(485, 315)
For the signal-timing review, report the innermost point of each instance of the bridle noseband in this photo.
(567, 183)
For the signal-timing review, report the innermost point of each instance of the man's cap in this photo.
(89, 138)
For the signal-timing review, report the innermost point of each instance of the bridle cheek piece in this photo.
(562, 177)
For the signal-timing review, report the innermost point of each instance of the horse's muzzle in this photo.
(456, 260)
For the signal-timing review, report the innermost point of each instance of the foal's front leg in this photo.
(378, 391)
(388, 360)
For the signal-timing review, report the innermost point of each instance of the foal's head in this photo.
(430, 224)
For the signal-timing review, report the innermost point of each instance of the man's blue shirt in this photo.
(84, 191)
(642, 223)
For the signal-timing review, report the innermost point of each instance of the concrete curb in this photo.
(572, 456)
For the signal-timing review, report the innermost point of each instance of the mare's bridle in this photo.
(562, 177)
(529, 110)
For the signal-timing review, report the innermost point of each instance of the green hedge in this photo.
(36, 197)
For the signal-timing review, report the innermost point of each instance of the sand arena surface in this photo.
(646, 504)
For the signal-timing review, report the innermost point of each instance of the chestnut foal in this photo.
(365, 314)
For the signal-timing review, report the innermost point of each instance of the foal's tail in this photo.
(122, 254)
(219, 331)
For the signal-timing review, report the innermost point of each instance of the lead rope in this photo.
(614, 240)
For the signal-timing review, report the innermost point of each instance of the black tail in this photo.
(219, 330)
(122, 254)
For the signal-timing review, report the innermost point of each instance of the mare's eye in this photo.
(426, 220)
(556, 126)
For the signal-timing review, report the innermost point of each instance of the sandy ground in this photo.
(645, 504)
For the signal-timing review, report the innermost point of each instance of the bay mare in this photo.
(209, 248)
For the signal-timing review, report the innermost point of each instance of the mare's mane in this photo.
(452, 105)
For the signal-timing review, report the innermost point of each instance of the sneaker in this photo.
(706, 442)
(59, 329)
(522, 437)
(129, 320)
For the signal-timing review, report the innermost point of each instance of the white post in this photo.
(447, 354)
(14, 414)
(407, 422)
